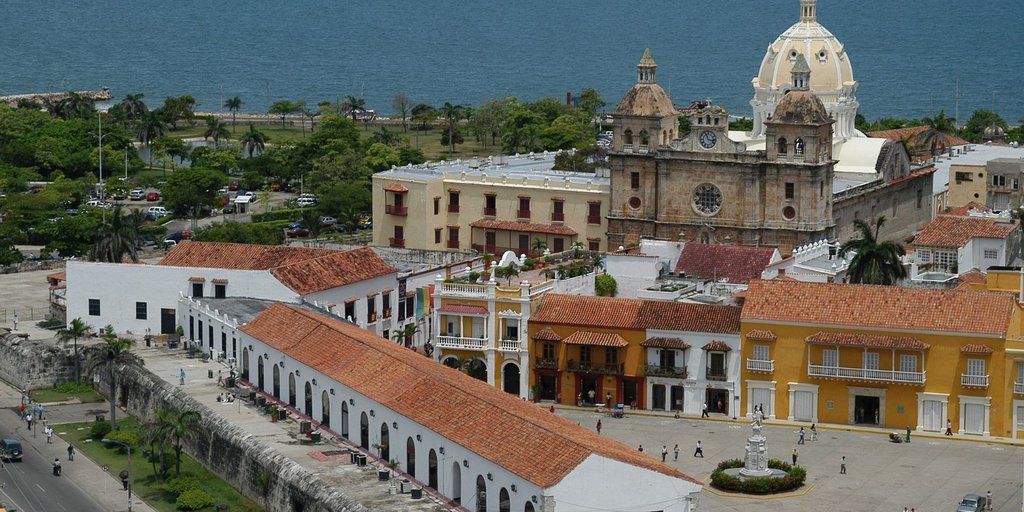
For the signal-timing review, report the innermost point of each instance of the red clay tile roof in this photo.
(462, 309)
(970, 278)
(761, 335)
(546, 334)
(58, 276)
(301, 269)
(339, 268)
(963, 210)
(656, 342)
(911, 136)
(525, 227)
(954, 231)
(598, 339)
(540, 447)
(867, 340)
(976, 348)
(717, 346)
(884, 307)
(219, 281)
(396, 187)
(608, 312)
(736, 263)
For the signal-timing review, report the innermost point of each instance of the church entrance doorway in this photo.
(865, 410)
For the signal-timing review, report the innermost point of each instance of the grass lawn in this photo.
(85, 394)
(152, 491)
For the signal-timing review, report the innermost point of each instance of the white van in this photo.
(158, 210)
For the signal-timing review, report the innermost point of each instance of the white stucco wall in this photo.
(360, 290)
(972, 255)
(590, 487)
(119, 286)
(696, 383)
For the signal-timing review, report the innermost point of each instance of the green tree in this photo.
(743, 124)
(109, 356)
(176, 109)
(192, 190)
(508, 272)
(116, 237)
(452, 114)
(148, 127)
(171, 147)
(405, 335)
(310, 217)
(354, 106)
(934, 138)
(281, 109)
(381, 157)
(9, 254)
(180, 424)
(216, 130)
(132, 108)
(590, 103)
(156, 436)
(875, 262)
(981, 119)
(254, 141)
(403, 106)
(72, 106)
(223, 158)
(234, 105)
(605, 285)
(385, 136)
(263, 233)
(407, 155)
(539, 245)
(75, 329)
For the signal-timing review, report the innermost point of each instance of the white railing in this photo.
(815, 370)
(758, 365)
(460, 342)
(511, 345)
(1018, 387)
(642, 149)
(974, 381)
(627, 148)
(472, 290)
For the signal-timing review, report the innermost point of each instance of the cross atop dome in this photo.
(807, 11)
(646, 68)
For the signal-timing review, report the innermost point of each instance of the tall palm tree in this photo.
(216, 130)
(156, 435)
(311, 218)
(875, 262)
(116, 237)
(133, 107)
(452, 114)
(76, 329)
(149, 127)
(110, 356)
(934, 138)
(254, 141)
(354, 105)
(234, 105)
(180, 425)
(405, 335)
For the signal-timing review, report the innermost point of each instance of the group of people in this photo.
(226, 397)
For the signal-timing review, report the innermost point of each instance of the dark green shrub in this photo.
(195, 499)
(99, 430)
(124, 436)
(73, 388)
(288, 214)
(182, 484)
(794, 478)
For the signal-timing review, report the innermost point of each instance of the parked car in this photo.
(178, 236)
(305, 202)
(296, 230)
(160, 211)
(137, 194)
(228, 208)
(153, 196)
(118, 195)
(326, 221)
(972, 503)
(365, 222)
(10, 450)
(233, 186)
(96, 203)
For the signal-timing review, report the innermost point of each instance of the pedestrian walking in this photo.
(949, 427)
(28, 420)
(220, 378)
(794, 456)
(56, 467)
(552, 409)
(39, 411)
(21, 409)
(71, 452)
(641, 448)
(675, 452)
(181, 376)
(664, 453)
(49, 434)
(801, 440)
(599, 426)
(814, 433)
(988, 500)
(699, 451)
(15, 321)
(704, 411)
(842, 465)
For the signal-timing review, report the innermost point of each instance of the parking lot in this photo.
(931, 473)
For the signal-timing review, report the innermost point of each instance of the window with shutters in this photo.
(908, 363)
(976, 367)
(761, 353)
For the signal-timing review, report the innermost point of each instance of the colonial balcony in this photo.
(546, 364)
(453, 244)
(973, 381)
(453, 208)
(510, 345)
(587, 367)
(627, 148)
(463, 290)
(490, 212)
(673, 372)
(715, 373)
(593, 219)
(838, 372)
(1018, 388)
(757, 365)
(396, 242)
(557, 216)
(642, 149)
(391, 209)
(522, 214)
(462, 343)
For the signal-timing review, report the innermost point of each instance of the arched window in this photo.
(364, 432)
(432, 469)
(798, 146)
(259, 372)
(504, 503)
(291, 389)
(456, 483)
(644, 138)
(528, 507)
(384, 446)
(627, 136)
(308, 396)
(344, 419)
(325, 410)
(410, 457)
(245, 363)
(277, 381)
(510, 378)
(481, 494)
(707, 120)
(781, 146)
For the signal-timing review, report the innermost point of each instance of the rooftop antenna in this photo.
(956, 102)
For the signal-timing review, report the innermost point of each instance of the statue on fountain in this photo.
(755, 460)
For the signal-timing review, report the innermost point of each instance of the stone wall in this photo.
(33, 364)
(255, 469)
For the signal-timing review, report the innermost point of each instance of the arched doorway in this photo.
(529, 507)
(344, 419)
(308, 397)
(481, 494)
(504, 503)
(245, 364)
(325, 410)
(259, 373)
(385, 443)
(410, 457)
(456, 483)
(432, 469)
(510, 378)
(277, 381)
(477, 369)
(451, 362)
(291, 389)
(364, 432)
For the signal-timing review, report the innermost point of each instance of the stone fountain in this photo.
(755, 462)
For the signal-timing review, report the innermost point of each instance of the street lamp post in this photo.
(129, 448)
(99, 142)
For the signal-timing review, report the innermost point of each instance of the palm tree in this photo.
(539, 246)
(148, 128)
(216, 130)
(874, 262)
(405, 335)
(116, 237)
(349, 219)
(109, 356)
(76, 329)
(354, 105)
(156, 436)
(233, 105)
(934, 138)
(179, 424)
(133, 107)
(452, 114)
(311, 218)
(254, 141)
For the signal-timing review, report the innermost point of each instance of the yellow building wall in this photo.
(965, 191)
(943, 363)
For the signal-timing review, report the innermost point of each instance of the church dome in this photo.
(646, 98)
(800, 107)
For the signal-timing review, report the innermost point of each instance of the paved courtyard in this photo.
(929, 474)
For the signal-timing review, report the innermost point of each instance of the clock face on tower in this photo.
(708, 139)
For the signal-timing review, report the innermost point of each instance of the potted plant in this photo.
(536, 389)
